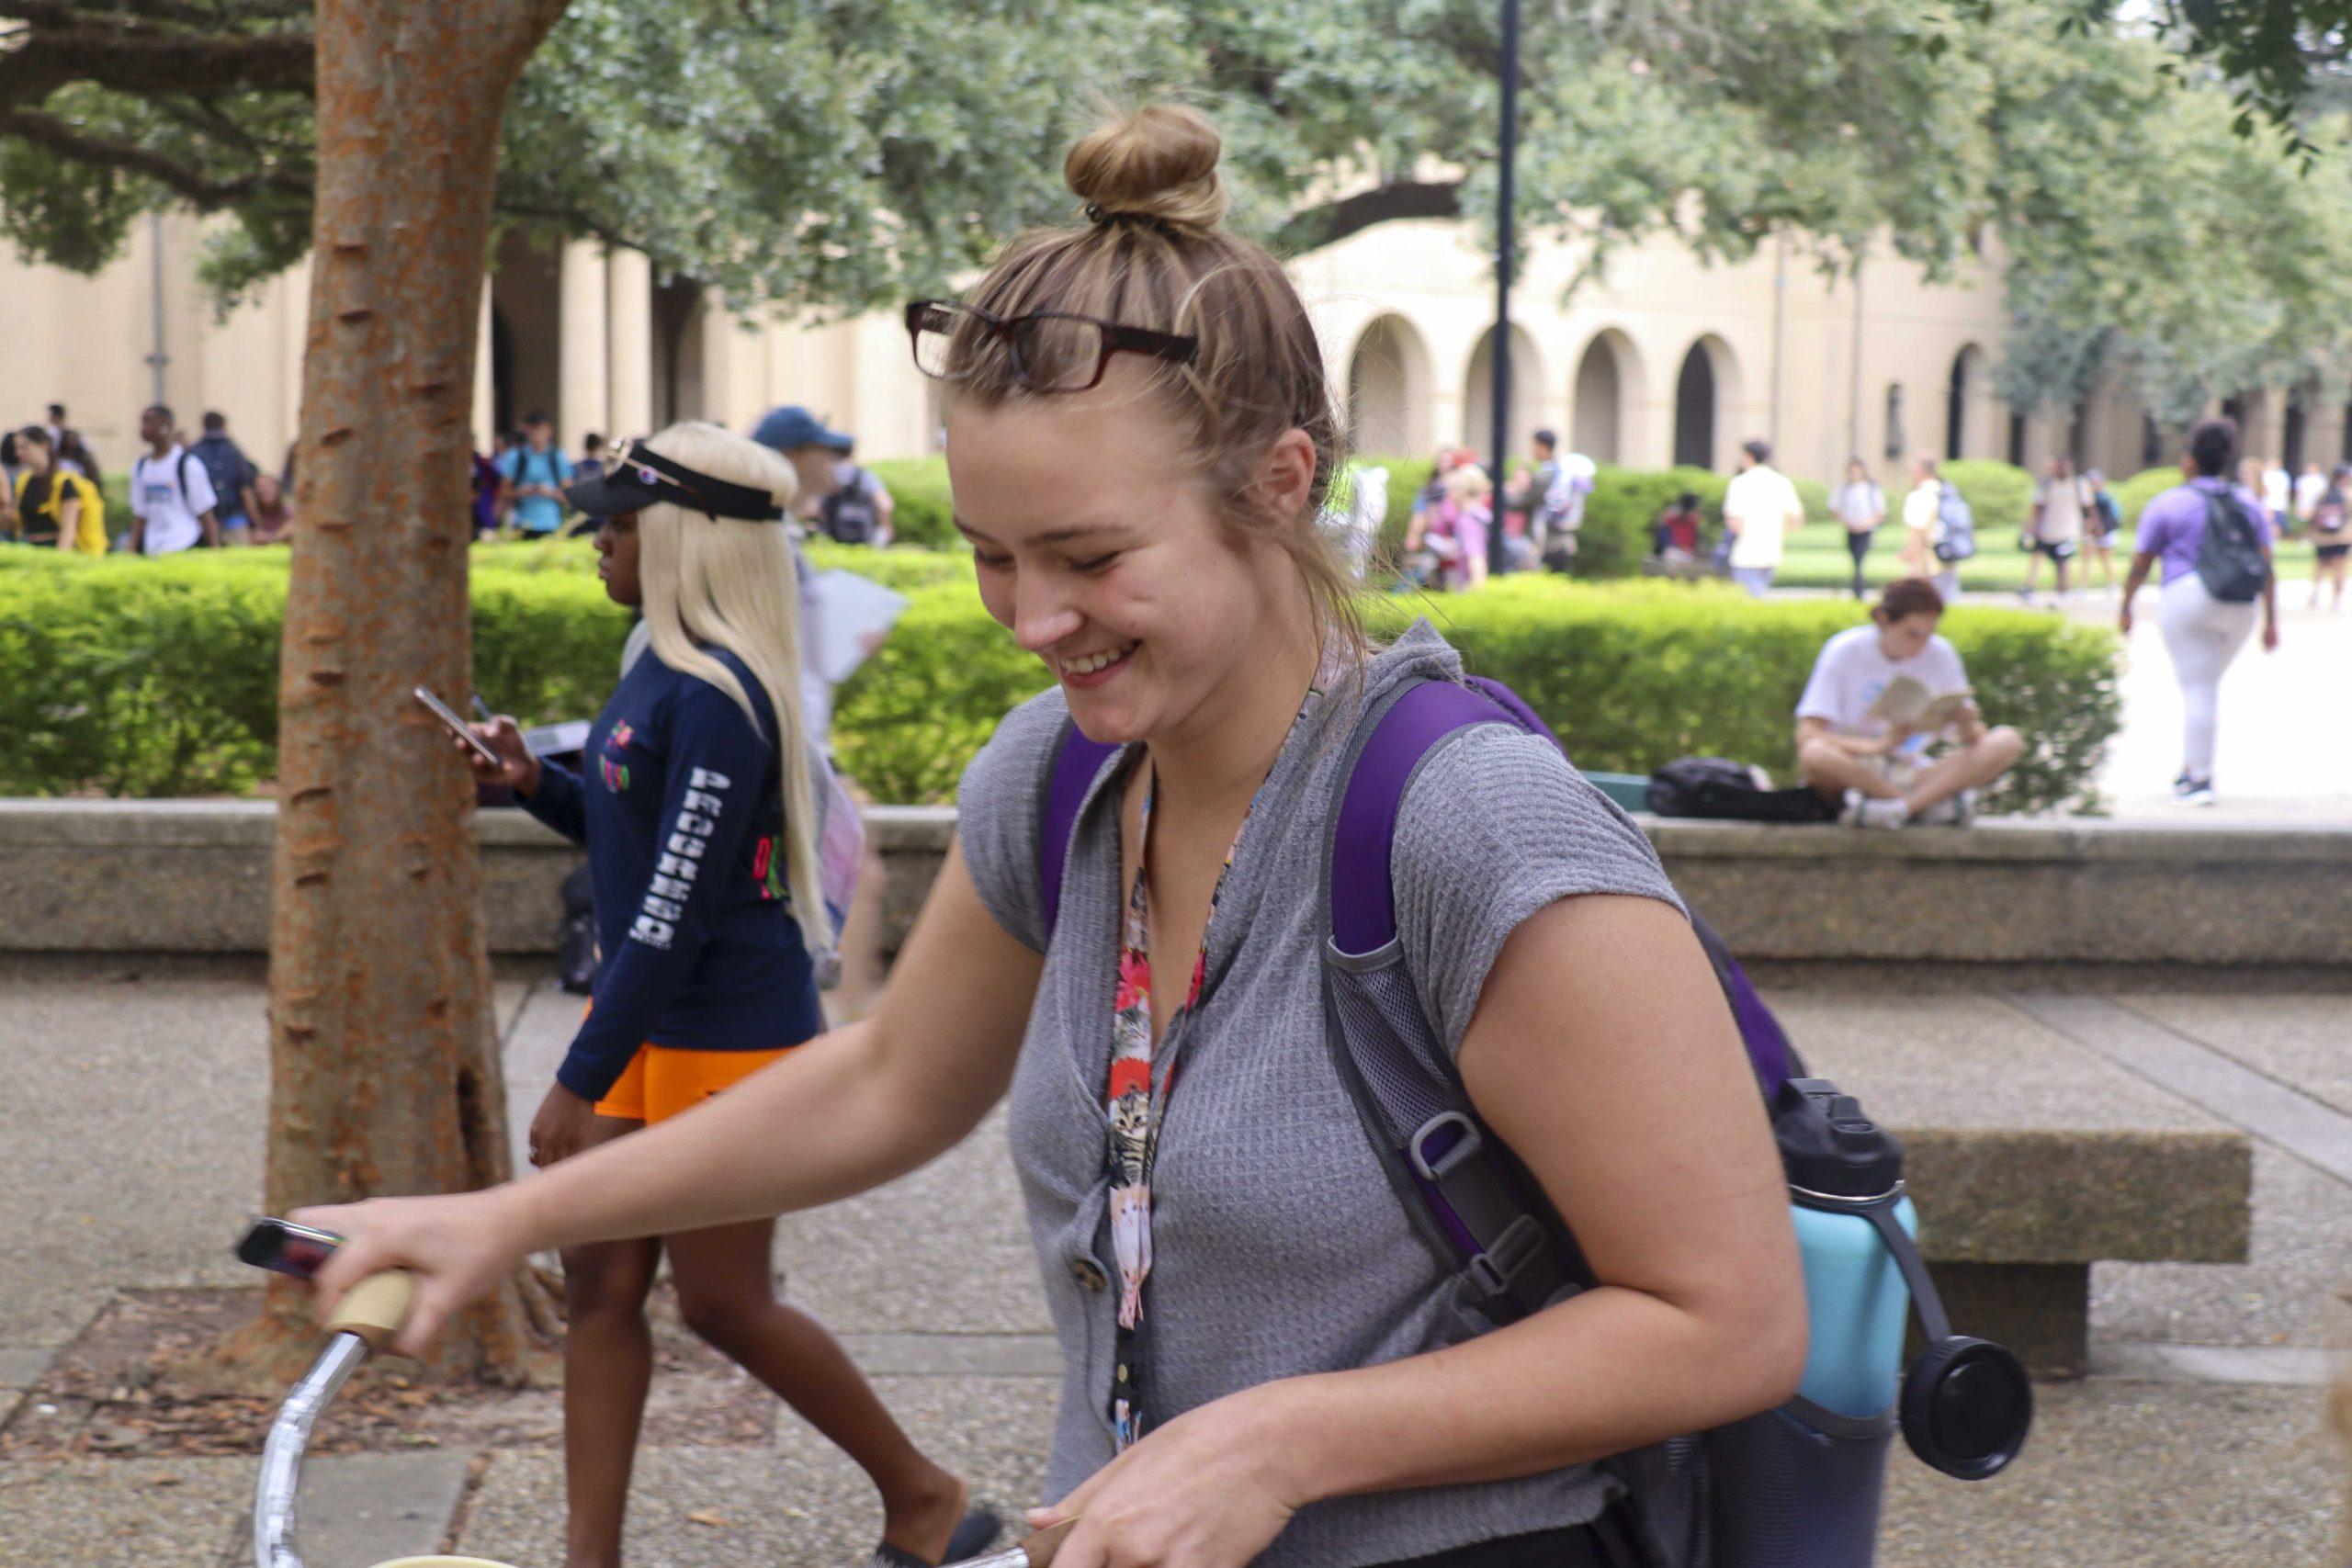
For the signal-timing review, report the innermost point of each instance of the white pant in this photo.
(2203, 634)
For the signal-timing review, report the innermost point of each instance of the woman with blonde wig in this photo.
(696, 804)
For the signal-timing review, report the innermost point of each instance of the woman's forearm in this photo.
(1610, 1370)
(828, 1120)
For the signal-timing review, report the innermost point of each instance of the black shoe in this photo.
(975, 1535)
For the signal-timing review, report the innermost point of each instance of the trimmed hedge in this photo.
(2000, 495)
(2131, 497)
(161, 678)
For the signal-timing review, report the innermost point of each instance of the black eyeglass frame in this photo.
(1115, 338)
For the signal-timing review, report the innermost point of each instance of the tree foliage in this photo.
(840, 152)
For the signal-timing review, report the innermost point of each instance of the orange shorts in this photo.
(660, 1081)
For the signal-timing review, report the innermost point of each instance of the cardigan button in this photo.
(1088, 1274)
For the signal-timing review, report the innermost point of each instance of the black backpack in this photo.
(1719, 787)
(849, 515)
(2230, 558)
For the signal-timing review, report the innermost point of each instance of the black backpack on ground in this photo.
(2230, 559)
(849, 515)
(1719, 787)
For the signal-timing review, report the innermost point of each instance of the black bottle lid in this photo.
(1829, 1146)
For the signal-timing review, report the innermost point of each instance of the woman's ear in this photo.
(1286, 473)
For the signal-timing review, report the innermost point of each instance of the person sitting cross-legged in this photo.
(1879, 771)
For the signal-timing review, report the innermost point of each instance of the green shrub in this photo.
(1999, 494)
(899, 567)
(152, 677)
(1630, 675)
(923, 515)
(2131, 497)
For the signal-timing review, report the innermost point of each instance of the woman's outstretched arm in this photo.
(846, 1112)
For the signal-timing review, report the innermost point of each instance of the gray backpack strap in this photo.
(1484, 1218)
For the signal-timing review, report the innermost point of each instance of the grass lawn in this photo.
(1816, 558)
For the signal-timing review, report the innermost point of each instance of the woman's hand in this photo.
(561, 1129)
(459, 1247)
(516, 767)
(1211, 1489)
(2269, 634)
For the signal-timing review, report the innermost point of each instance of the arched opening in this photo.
(1389, 390)
(526, 327)
(2295, 434)
(1478, 391)
(1894, 443)
(1694, 409)
(1597, 423)
(2017, 439)
(1963, 432)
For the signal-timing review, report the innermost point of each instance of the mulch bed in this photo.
(119, 1391)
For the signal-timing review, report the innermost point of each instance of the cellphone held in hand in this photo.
(287, 1247)
(457, 727)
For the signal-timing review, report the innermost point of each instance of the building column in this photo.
(628, 360)
(581, 394)
(718, 334)
(485, 394)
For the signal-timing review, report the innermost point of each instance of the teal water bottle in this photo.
(1841, 1165)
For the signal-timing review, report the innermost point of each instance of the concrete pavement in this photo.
(2168, 1455)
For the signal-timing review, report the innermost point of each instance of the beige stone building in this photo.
(1659, 359)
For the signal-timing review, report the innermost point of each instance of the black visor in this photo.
(638, 476)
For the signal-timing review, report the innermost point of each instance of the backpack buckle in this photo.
(1508, 1257)
(1443, 1145)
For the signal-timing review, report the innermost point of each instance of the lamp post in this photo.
(1504, 191)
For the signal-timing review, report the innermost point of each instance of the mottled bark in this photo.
(384, 1064)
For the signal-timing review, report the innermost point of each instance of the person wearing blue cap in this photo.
(813, 449)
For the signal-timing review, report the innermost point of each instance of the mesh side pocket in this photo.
(1799, 1487)
(1389, 1039)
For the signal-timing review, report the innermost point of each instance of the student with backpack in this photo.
(171, 495)
(2213, 543)
(532, 473)
(859, 508)
(51, 505)
(1940, 529)
(1269, 1355)
(2330, 526)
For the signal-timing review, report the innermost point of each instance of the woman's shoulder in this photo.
(1496, 825)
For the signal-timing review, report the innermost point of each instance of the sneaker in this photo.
(1861, 811)
(1955, 811)
(2186, 791)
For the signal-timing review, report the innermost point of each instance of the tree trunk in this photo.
(385, 1075)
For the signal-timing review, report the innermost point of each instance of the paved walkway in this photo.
(2199, 1439)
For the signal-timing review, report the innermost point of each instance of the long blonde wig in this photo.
(723, 582)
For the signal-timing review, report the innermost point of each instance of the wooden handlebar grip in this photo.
(375, 1308)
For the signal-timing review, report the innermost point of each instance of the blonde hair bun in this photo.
(1158, 163)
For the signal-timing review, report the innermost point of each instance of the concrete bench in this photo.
(2029, 1158)
(2032, 1157)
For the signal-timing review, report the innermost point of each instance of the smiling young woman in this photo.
(1264, 1361)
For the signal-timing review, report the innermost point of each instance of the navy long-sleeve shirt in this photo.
(680, 814)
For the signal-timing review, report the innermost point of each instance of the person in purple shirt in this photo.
(2202, 633)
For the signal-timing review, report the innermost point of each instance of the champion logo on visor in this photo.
(648, 475)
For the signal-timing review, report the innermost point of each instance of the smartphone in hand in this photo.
(286, 1249)
(457, 727)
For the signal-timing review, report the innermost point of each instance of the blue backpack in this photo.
(1799, 1486)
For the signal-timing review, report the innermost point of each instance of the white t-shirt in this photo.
(1761, 498)
(2309, 487)
(170, 493)
(1853, 670)
(2277, 491)
(2061, 511)
(1922, 507)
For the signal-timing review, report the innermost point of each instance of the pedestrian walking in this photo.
(860, 508)
(273, 512)
(172, 503)
(698, 807)
(1760, 511)
(1263, 1362)
(2310, 485)
(232, 474)
(1861, 505)
(589, 464)
(54, 506)
(2279, 497)
(2102, 522)
(534, 474)
(2055, 528)
(2213, 543)
(2330, 526)
(1458, 529)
